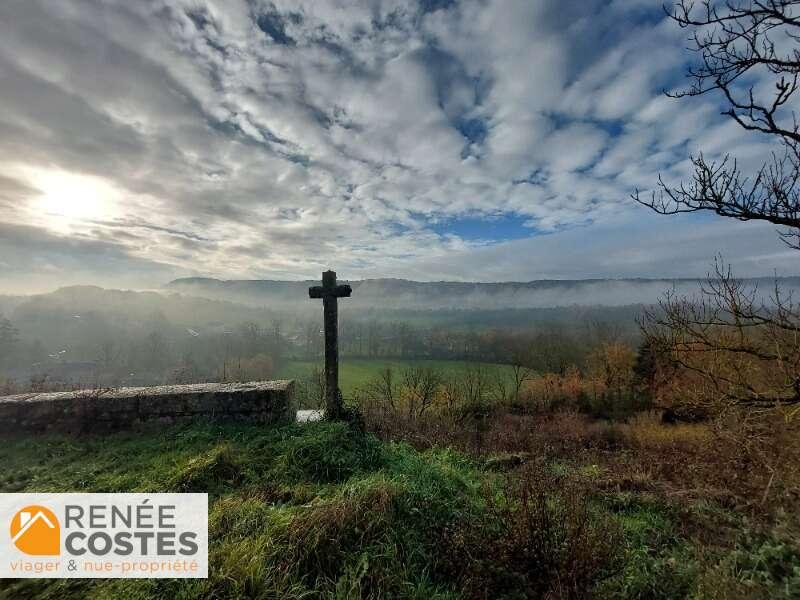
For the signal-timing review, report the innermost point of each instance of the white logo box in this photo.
(133, 536)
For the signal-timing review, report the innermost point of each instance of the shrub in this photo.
(655, 560)
(762, 564)
(540, 539)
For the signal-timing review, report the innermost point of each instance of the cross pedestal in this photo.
(330, 293)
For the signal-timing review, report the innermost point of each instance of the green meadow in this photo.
(355, 374)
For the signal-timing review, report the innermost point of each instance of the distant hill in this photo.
(405, 294)
(74, 306)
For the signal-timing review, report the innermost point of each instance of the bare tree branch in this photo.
(737, 42)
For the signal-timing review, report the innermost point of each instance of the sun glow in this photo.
(71, 199)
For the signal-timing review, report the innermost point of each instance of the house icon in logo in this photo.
(35, 530)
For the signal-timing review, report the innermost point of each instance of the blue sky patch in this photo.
(494, 228)
(273, 25)
(474, 130)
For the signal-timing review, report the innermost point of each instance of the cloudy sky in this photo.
(430, 139)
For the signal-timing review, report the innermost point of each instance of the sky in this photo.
(488, 140)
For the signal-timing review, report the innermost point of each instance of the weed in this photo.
(330, 452)
(209, 472)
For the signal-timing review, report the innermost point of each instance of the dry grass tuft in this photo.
(646, 430)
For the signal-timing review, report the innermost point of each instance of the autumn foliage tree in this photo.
(736, 345)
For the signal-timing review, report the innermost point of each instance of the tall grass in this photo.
(323, 510)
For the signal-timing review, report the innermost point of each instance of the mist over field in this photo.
(203, 329)
(381, 294)
(193, 330)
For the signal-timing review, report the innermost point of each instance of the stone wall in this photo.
(97, 411)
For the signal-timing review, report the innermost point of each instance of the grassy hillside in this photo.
(318, 510)
(324, 511)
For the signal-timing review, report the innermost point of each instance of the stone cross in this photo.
(330, 292)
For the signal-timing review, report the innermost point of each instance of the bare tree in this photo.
(451, 396)
(9, 337)
(311, 390)
(500, 388)
(733, 344)
(742, 348)
(383, 389)
(109, 353)
(420, 386)
(739, 45)
(520, 368)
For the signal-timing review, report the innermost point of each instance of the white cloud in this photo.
(254, 138)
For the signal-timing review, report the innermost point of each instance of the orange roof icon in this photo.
(35, 530)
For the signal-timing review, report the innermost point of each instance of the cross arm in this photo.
(321, 291)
